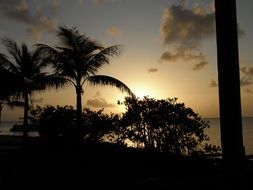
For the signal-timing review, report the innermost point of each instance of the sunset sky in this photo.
(169, 48)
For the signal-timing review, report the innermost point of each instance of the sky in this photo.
(169, 48)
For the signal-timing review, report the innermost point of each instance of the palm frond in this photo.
(47, 51)
(52, 81)
(102, 57)
(13, 49)
(69, 37)
(4, 61)
(40, 59)
(88, 46)
(104, 80)
(10, 82)
(15, 103)
(7, 64)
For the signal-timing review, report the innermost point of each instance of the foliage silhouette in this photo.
(161, 125)
(79, 59)
(58, 122)
(29, 66)
(9, 89)
(100, 125)
(53, 122)
(164, 125)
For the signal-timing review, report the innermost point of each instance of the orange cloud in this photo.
(114, 31)
(99, 102)
(184, 29)
(153, 70)
(213, 83)
(36, 19)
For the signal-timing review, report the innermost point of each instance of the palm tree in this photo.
(79, 59)
(233, 152)
(28, 66)
(8, 89)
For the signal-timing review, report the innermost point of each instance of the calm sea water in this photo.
(5, 127)
(213, 132)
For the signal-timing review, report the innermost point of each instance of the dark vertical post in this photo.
(229, 83)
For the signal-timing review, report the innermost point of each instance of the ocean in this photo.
(213, 132)
(5, 127)
(247, 124)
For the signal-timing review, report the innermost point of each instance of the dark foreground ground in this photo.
(106, 166)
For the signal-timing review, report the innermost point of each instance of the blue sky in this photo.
(169, 48)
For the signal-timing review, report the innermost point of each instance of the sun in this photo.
(141, 92)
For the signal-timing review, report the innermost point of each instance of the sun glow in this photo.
(141, 92)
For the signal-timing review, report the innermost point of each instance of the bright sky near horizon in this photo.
(169, 48)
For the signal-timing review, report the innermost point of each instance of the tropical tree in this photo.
(164, 125)
(8, 89)
(29, 67)
(79, 59)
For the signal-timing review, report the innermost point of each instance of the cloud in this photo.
(184, 53)
(114, 31)
(183, 3)
(245, 82)
(45, 24)
(81, 2)
(183, 30)
(248, 71)
(98, 102)
(152, 70)
(181, 52)
(246, 76)
(35, 18)
(200, 65)
(249, 90)
(98, 2)
(213, 83)
(16, 10)
(186, 25)
(55, 4)
(97, 94)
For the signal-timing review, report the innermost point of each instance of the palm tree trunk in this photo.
(79, 101)
(229, 89)
(25, 121)
(79, 110)
(1, 108)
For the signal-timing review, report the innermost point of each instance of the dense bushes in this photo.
(163, 125)
(99, 126)
(53, 122)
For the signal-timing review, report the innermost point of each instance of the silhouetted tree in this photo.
(9, 85)
(53, 122)
(78, 60)
(164, 125)
(100, 125)
(29, 66)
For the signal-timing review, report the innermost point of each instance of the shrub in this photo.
(55, 121)
(165, 125)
